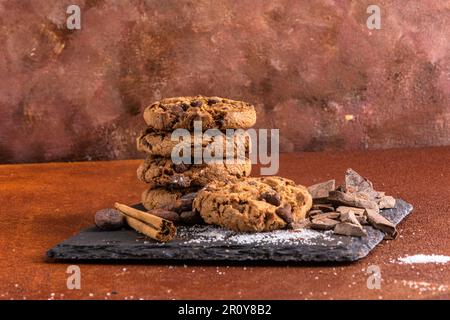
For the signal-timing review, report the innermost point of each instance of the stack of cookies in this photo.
(173, 186)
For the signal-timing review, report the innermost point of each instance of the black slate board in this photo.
(210, 243)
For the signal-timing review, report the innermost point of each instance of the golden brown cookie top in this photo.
(214, 112)
(253, 204)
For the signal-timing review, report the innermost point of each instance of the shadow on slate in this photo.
(210, 243)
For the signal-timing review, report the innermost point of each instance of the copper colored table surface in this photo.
(43, 204)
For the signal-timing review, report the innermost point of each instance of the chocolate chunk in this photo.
(166, 214)
(180, 168)
(329, 215)
(349, 229)
(323, 223)
(321, 190)
(386, 202)
(356, 211)
(312, 213)
(196, 103)
(109, 219)
(184, 106)
(285, 213)
(352, 200)
(349, 217)
(381, 223)
(272, 198)
(323, 207)
(212, 101)
(185, 202)
(191, 218)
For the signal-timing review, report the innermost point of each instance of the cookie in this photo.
(161, 143)
(162, 172)
(214, 112)
(253, 204)
(178, 200)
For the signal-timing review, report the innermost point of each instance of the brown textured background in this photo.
(78, 95)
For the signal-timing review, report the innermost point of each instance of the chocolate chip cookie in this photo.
(178, 200)
(161, 144)
(253, 204)
(214, 112)
(162, 172)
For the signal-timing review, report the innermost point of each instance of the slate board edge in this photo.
(242, 252)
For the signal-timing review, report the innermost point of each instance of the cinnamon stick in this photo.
(148, 224)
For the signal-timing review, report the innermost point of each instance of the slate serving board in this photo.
(210, 243)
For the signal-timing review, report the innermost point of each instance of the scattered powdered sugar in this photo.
(203, 234)
(278, 237)
(209, 234)
(424, 258)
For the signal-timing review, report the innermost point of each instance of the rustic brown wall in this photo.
(74, 95)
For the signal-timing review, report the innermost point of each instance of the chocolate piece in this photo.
(381, 223)
(191, 218)
(349, 229)
(386, 202)
(325, 207)
(321, 190)
(184, 106)
(312, 213)
(356, 211)
(352, 200)
(272, 198)
(166, 214)
(355, 183)
(180, 168)
(212, 101)
(329, 215)
(349, 217)
(196, 103)
(323, 223)
(109, 219)
(285, 213)
(185, 202)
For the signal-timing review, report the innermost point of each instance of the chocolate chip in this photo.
(180, 168)
(186, 201)
(272, 198)
(184, 106)
(109, 219)
(220, 122)
(196, 103)
(285, 213)
(212, 101)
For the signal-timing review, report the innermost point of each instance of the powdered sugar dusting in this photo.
(278, 237)
(424, 258)
(210, 234)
